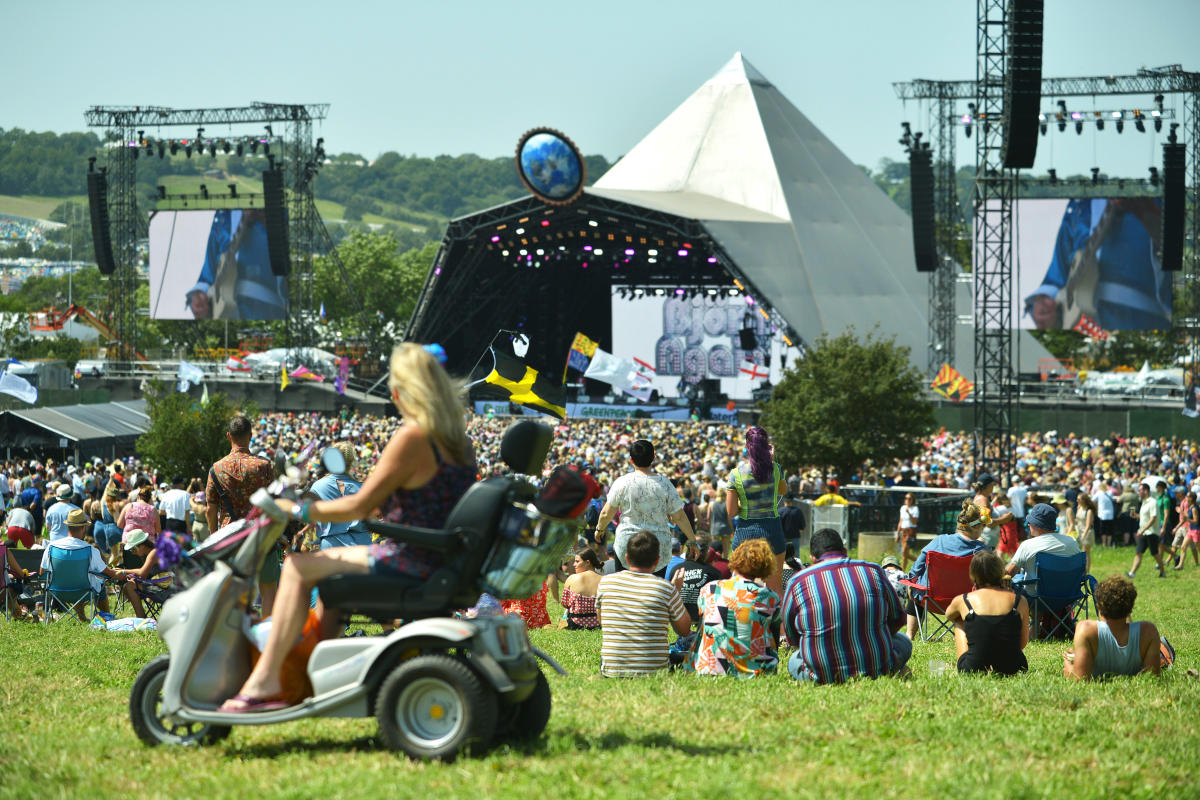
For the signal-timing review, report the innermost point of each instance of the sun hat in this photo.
(1042, 516)
(63, 490)
(136, 538)
(77, 519)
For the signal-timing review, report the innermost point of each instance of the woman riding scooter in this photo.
(426, 467)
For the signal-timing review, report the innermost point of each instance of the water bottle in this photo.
(937, 667)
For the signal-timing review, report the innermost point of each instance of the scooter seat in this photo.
(390, 596)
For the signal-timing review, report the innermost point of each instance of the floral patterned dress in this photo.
(531, 609)
(735, 637)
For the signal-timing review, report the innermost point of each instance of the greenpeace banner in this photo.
(607, 411)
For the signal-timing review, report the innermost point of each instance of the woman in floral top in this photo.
(736, 617)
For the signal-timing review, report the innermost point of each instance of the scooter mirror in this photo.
(333, 461)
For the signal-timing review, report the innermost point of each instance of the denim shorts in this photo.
(769, 528)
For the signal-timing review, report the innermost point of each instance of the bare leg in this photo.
(913, 629)
(131, 595)
(268, 590)
(300, 573)
(1137, 562)
(775, 580)
(1088, 550)
(960, 641)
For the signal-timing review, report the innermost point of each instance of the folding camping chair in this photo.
(946, 577)
(68, 586)
(4, 581)
(1061, 591)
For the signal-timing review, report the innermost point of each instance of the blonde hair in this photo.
(971, 515)
(426, 394)
(347, 451)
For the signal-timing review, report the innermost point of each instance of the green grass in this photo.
(65, 692)
(33, 206)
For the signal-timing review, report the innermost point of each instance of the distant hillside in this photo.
(406, 189)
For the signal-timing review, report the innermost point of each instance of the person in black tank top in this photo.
(991, 630)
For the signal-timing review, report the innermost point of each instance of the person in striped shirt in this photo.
(843, 617)
(635, 608)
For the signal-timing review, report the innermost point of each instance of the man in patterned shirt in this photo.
(842, 617)
(231, 482)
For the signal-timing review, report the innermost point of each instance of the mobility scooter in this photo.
(438, 684)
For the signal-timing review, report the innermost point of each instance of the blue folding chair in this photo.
(1060, 591)
(68, 586)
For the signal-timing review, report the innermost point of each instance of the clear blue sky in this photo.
(456, 77)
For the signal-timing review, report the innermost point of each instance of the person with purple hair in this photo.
(755, 487)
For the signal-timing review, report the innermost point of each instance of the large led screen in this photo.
(687, 340)
(1090, 263)
(213, 265)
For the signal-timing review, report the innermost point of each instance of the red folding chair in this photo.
(946, 577)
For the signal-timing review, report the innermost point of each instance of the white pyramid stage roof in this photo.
(806, 226)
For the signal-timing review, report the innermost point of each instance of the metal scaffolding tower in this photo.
(295, 151)
(995, 190)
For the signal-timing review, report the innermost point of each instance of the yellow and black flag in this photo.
(949, 383)
(526, 387)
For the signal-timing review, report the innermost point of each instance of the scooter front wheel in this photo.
(434, 706)
(145, 712)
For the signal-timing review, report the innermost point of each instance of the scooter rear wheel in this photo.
(434, 706)
(145, 712)
(526, 721)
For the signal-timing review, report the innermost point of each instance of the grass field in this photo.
(65, 690)
(32, 205)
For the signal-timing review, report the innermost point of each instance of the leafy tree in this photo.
(386, 280)
(185, 437)
(848, 401)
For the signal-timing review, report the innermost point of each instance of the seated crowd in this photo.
(842, 617)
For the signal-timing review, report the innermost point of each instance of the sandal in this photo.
(251, 705)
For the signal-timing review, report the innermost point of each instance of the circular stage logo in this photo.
(550, 166)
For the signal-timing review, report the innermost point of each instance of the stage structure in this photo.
(735, 197)
(951, 113)
(291, 150)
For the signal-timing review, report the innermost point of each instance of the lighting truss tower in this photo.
(995, 187)
(942, 316)
(295, 152)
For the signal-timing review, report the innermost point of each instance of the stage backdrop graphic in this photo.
(194, 274)
(1109, 246)
(695, 339)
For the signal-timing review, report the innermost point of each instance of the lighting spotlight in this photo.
(1078, 126)
(1120, 126)
(240, 148)
(1140, 124)
(162, 149)
(1053, 176)
(204, 191)
(1099, 124)
(1095, 175)
(212, 149)
(174, 147)
(233, 190)
(225, 145)
(162, 192)
(1042, 128)
(187, 150)
(660, 292)
(1154, 176)
(1157, 123)
(254, 146)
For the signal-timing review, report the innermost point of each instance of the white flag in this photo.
(18, 387)
(188, 372)
(610, 369)
(184, 385)
(620, 373)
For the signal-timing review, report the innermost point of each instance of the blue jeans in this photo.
(902, 648)
(107, 535)
(769, 528)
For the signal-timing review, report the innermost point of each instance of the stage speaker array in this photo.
(275, 205)
(97, 183)
(1022, 83)
(1174, 205)
(920, 170)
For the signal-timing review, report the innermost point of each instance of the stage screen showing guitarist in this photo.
(213, 265)
(1092, 265)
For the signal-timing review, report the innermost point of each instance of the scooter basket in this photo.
(530, 545)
